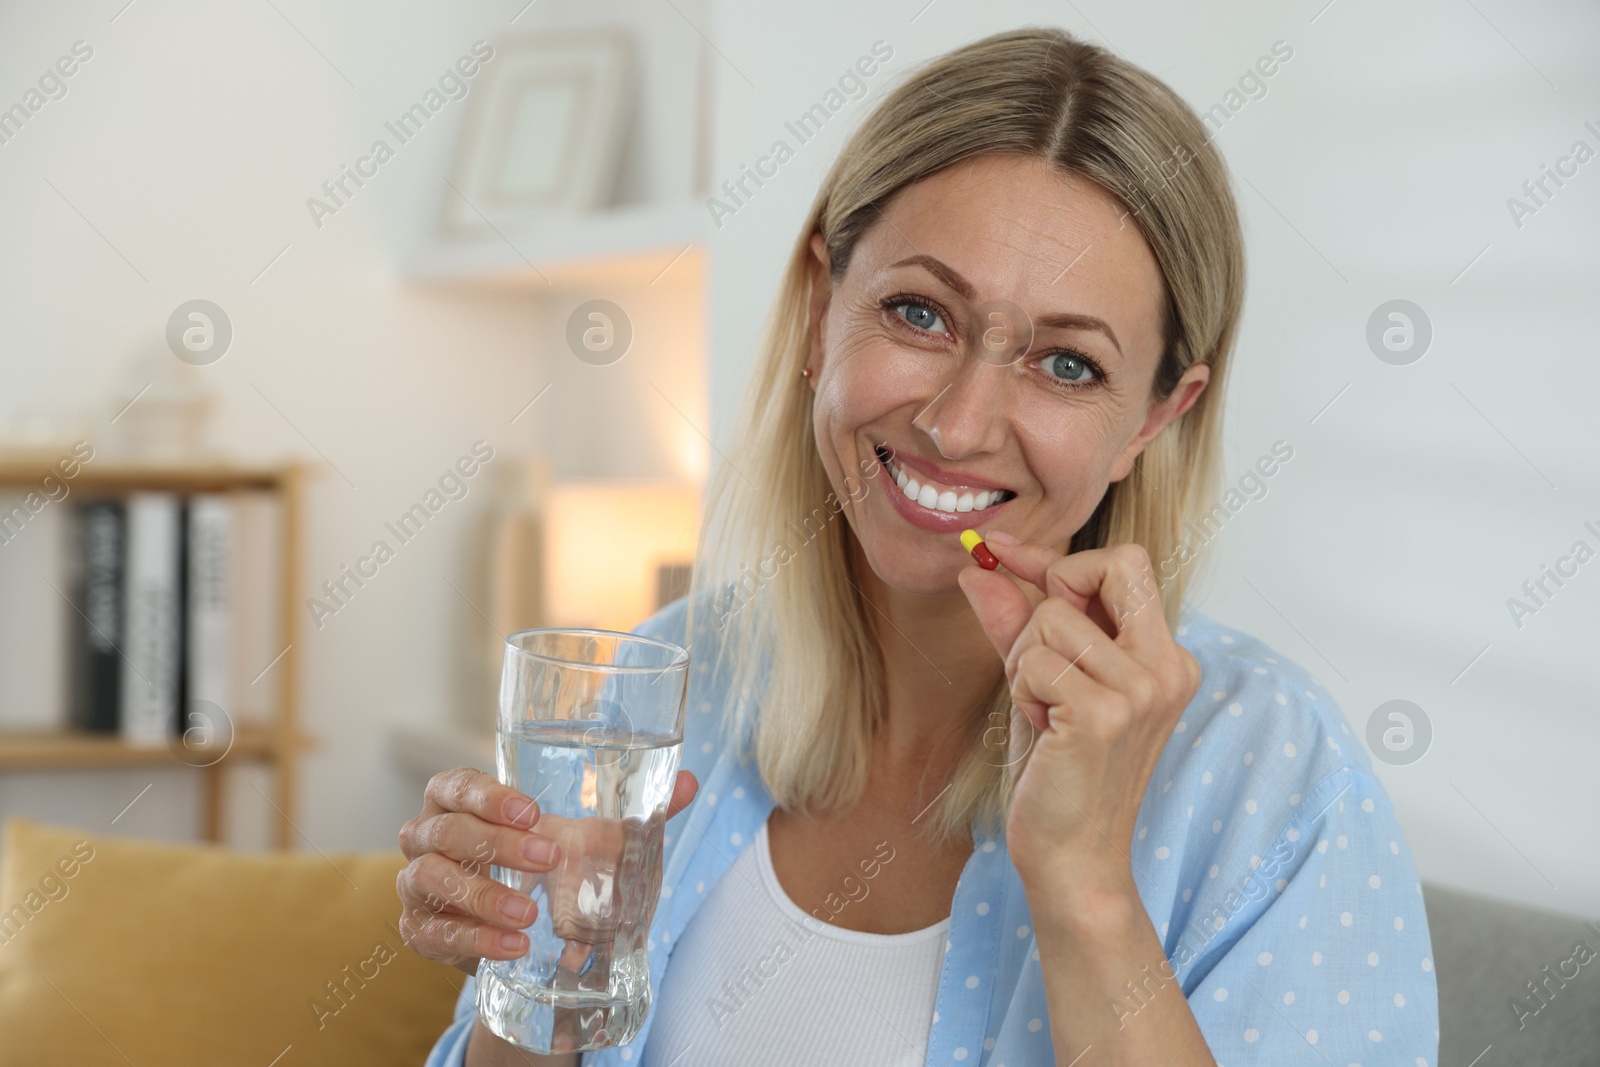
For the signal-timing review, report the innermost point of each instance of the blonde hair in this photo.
(802, 645)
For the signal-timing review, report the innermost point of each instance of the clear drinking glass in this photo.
(591, 727)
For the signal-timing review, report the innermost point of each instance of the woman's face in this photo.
(994, 339)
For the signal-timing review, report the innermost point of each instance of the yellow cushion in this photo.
(116, 951)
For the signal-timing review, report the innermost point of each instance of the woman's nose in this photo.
(966, 414)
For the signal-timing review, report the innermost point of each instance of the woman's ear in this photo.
(1180, 400)
(817, 311)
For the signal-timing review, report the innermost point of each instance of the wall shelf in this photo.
(22, 473)
(68, 749)
(626, 245)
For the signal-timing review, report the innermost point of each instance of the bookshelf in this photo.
(279, 742)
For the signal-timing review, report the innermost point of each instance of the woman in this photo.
(1044, 814)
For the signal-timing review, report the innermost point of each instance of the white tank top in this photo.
(754, 979)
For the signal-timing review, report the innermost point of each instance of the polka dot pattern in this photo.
(1299, 877)
(1269, 858)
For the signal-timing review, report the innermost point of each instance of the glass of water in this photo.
(591, 727)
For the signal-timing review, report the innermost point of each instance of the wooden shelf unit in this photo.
(280, 743)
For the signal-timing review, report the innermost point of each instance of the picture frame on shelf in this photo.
(544, 133)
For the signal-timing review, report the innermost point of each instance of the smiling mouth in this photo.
(935, 497)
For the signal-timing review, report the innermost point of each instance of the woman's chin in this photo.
(913, 576)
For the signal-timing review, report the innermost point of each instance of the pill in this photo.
(972, 541)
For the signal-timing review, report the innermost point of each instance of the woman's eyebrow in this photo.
(1064, 320)
(941, 271)
(1068, 320)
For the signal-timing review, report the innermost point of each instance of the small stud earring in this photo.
(805, 372)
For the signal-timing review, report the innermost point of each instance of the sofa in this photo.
(1513, 987)
(115, 950)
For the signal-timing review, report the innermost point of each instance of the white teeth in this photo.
(947, 500)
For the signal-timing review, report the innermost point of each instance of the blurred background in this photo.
(508, 345)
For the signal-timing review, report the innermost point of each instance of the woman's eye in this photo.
(1065, 367)
(921, 316)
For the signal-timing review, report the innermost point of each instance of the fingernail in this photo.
(520, 811)
(511, 942)
(539, 849)
(1000, 537)
(518, 908)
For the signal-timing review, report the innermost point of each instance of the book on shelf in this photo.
(143, 615)
(97, 667)
(256, 639)
(153, 636)
(35, 625)
(207, 610)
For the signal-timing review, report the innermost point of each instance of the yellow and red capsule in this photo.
(972, 541)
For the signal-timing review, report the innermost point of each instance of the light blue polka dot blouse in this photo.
(1266, 854)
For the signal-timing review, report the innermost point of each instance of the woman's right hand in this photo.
(451, 910)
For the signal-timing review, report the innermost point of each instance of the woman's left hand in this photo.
(1094, 669)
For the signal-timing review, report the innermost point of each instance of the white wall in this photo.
(190, 142)
(1376, 167)
(1388, 145)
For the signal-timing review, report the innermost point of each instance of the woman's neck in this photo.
(938, 664)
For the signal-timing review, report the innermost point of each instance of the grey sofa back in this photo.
(1521, 982)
